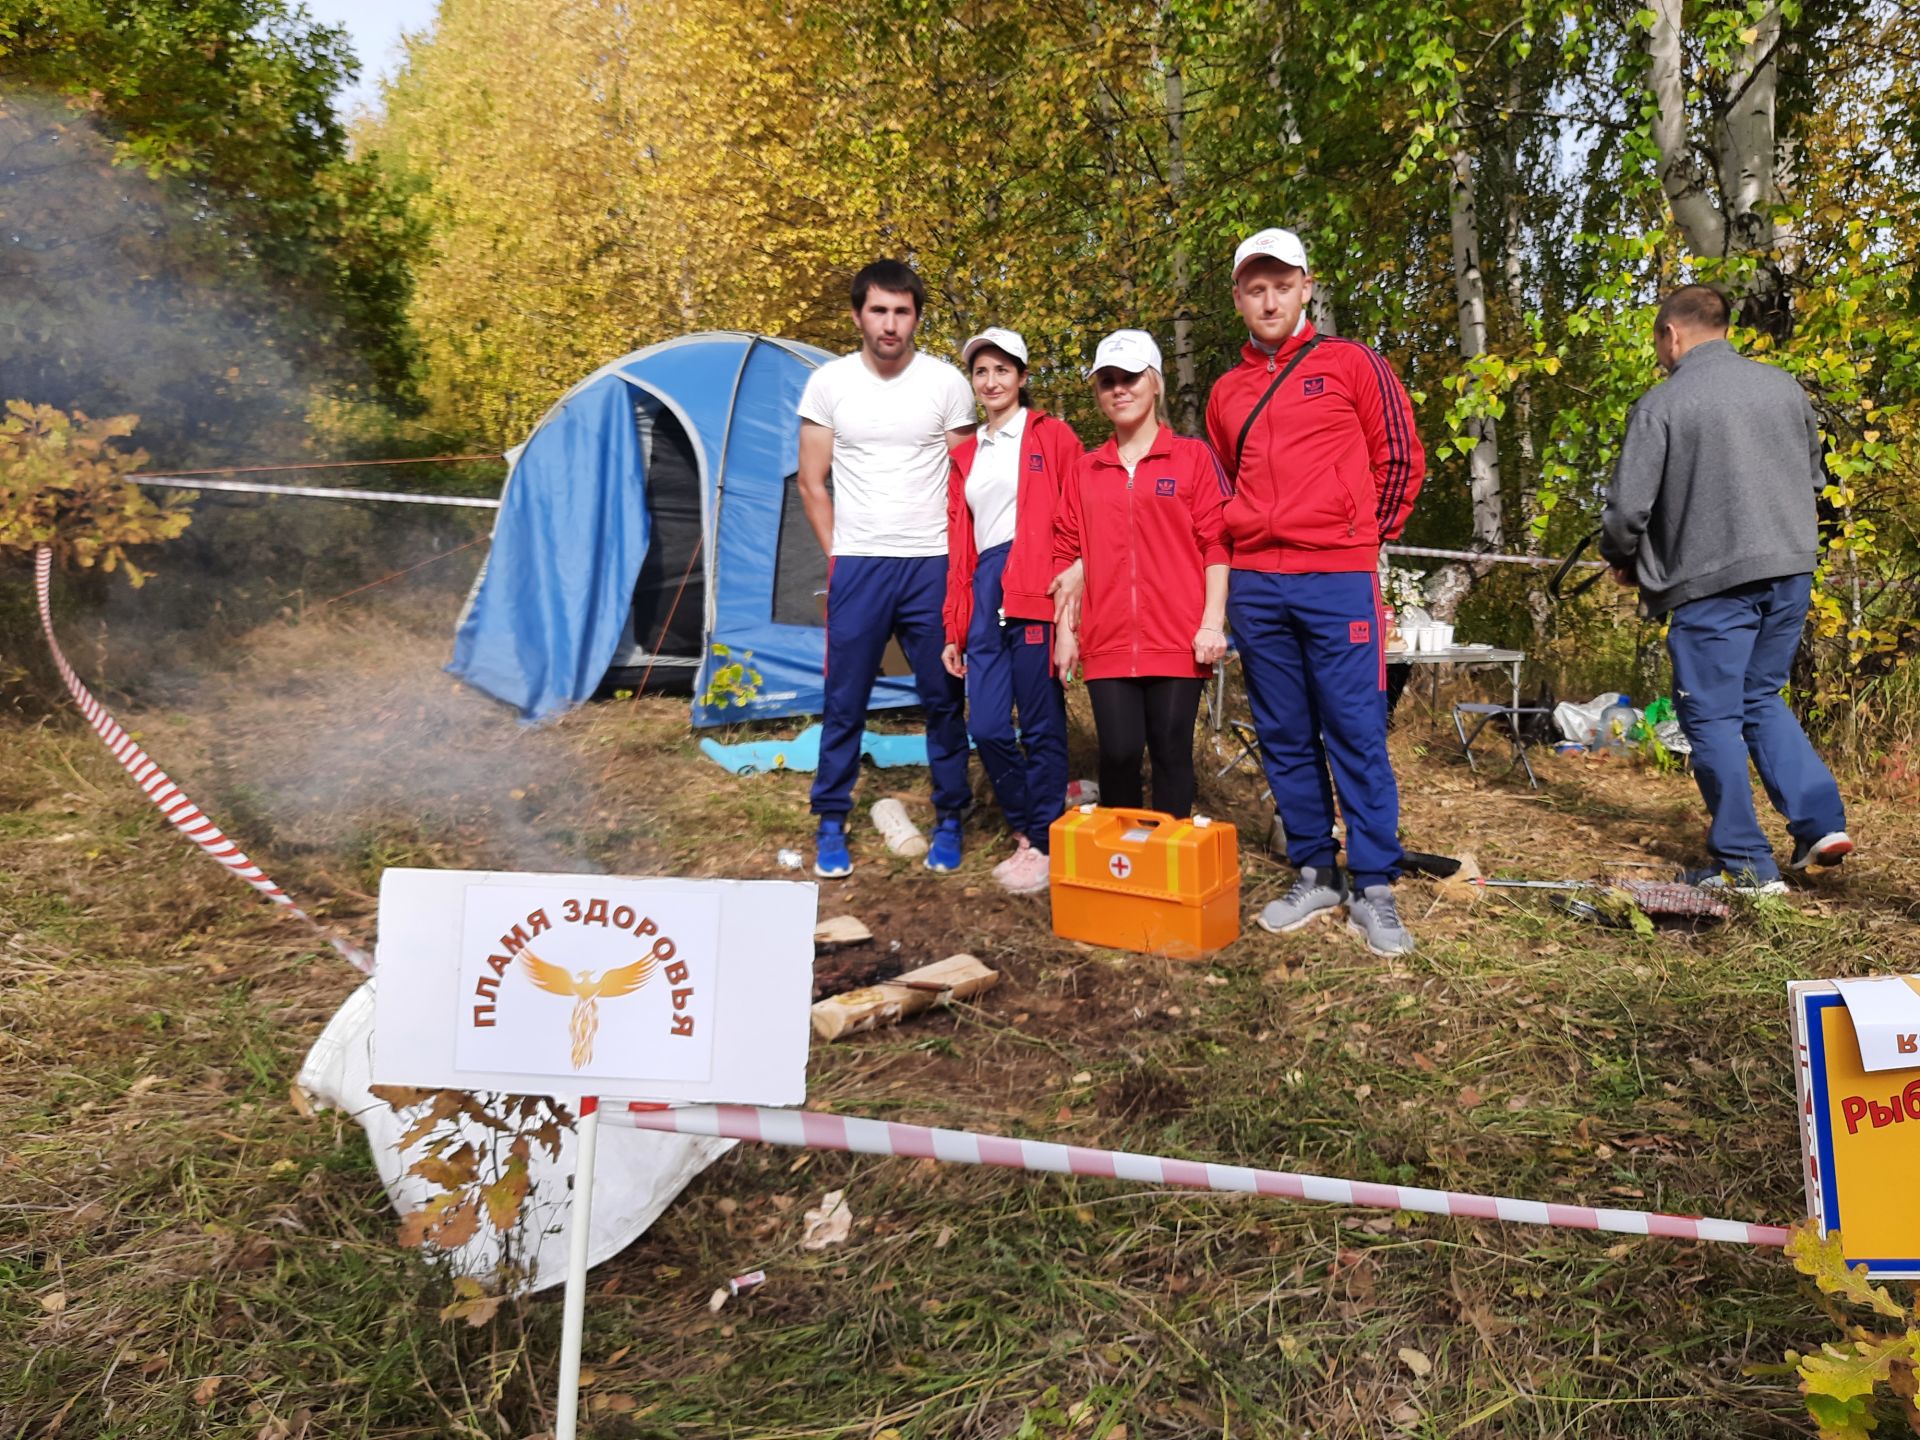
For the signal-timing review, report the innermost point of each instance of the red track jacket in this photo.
(1048, 452)
(1331, 466)
(1147, 542)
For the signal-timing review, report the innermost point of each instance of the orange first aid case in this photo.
(1140, 880)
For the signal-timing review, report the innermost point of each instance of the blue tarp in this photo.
(573, 530)
(566, 552)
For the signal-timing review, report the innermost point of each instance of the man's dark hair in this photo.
(894, 275)
(1695, 307)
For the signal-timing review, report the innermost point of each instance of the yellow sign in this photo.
(1861, 1136)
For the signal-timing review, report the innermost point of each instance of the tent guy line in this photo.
(318, 492)
(1425, 552)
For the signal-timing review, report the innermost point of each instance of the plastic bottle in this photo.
(890, 818)
(1616, 724)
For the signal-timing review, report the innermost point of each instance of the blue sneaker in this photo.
(943, 855)
(830, 857)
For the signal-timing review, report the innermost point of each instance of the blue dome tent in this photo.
(649, 520)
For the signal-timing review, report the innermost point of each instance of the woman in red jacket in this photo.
(1002, 489)
(1141, 536)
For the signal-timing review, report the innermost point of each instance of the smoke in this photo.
(309, 720)
(117, 296)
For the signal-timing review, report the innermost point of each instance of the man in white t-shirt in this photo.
(882, 421)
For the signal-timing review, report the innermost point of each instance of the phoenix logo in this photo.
(587, 992)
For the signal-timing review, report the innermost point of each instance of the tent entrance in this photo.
(670, 597)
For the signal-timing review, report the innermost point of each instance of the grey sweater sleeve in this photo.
(1636, 485)
(1816, 448)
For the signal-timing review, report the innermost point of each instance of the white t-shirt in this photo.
(889, 451)
(993, 484)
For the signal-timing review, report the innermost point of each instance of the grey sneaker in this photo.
(1315, 893)
(1373, 917)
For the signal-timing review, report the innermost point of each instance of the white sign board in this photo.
(647, 989)
(1885, 1010)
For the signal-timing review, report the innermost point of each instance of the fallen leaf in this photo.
(207, 1389)
(472, 1303)
(54, 1303)
(1083, 1077)
(1416, 1361)
(1468, 1097)
(830, 1224)
(945, 1235)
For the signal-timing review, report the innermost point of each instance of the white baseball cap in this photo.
(1276, 244)
(1128, 350)
(1007, 340)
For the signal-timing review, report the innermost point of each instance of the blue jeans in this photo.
(1731, 653)
(1310, 648)
(1009, 668)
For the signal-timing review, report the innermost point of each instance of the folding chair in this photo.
(1484, 713)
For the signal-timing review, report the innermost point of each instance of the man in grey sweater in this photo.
(1712, 514)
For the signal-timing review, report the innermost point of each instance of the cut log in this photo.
(840, 930)
(958, 977)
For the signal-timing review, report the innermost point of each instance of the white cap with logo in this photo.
(1275, 244)
(1128, 350)
(1007, 340)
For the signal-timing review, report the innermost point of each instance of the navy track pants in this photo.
(1731, 654)
(1310, 646)
(870, 599)
(1009, 671)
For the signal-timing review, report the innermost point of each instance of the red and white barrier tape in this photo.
(815, 1131)
(179, 810)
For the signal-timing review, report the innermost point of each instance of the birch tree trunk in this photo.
(1450, 584)
(1749, 177)
(1185, 399)
(1529, 476)
(1681, 175)
(1747, 158)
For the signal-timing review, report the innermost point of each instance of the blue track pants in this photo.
(1009, 670)
(870, 599)
(1310, 646)
(1731, 654)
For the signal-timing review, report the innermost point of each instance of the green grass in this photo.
(154, 1175)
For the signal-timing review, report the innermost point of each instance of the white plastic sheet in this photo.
(637, 1173)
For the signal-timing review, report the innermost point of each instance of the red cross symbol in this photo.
(1120, 866)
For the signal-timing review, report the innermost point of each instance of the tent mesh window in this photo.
(799, 569)
(661, 626)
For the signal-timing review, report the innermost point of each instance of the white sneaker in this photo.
(1028, 873)
(1020, 848)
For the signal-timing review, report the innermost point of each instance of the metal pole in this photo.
(573, 1312)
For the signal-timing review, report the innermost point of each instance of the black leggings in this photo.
(1154, 714)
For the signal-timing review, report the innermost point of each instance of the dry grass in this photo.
(171, 1222)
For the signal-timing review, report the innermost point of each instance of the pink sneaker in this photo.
(1000, 870)
(1028, 873)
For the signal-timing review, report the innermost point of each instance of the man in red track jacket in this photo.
(1316, 433)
